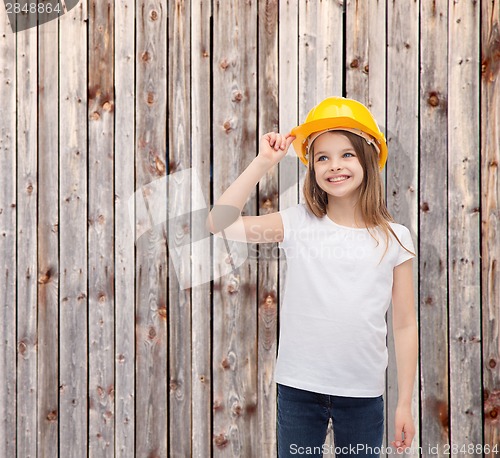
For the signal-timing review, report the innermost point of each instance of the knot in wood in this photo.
(224, 64)
(237, 410)
(151, 333)
(95, 116)
(237, 96)
(355, 63)
(52, 415)
(22, 347)
(492, 363)
(269, 301)
(425, 207)
(44, 278)
(160, 166)
(153, 15)
(267, 204)
(107, 106)
(221, 440)
(367, 68)
(433, 99)
(162, 311)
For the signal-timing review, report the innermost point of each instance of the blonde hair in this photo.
(371, 195)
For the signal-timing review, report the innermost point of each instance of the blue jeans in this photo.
(358, 424)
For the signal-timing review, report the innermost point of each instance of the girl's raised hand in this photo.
(273, 147)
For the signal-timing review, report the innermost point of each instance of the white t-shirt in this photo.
(332, 320)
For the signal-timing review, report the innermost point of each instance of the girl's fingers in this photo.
(279, 141)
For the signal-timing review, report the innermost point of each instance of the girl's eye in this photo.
(321, 158)
(350, 154)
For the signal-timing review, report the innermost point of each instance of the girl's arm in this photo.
(404, 323)
(226, 213)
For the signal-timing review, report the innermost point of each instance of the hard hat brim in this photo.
(302, 132)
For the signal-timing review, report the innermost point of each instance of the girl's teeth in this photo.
(334, 180)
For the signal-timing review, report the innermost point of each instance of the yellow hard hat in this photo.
(339, 113)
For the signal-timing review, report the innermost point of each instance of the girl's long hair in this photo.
(371, 195)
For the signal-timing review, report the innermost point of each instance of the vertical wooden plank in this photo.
(365, 45)
(179, 222)
(463, 222)
(432, 262)
(124, 142)
(490, 204)
(321, 71)
(320, 52)
(267, 289)
(288, 168)
(151, 263)
(26, 236)
(402, 139)
(201, 101)
(48, 240)
(73, 371)
(8, 210)
(234, 306)
(288, 58)
(101, 263)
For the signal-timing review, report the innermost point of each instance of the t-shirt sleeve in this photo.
(406, 240)
(291, 218)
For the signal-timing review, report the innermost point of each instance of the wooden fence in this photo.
(103, 353)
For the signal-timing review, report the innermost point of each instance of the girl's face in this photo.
(336, 166)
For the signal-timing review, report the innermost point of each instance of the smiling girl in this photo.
(346, 260)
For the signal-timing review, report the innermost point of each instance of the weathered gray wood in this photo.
(124, 232)
(201, 100)
(463, 223)
(234, 300)
(8, 210)
(48, 242)
(402, 138)
(26, 183)
(151, 262)
(365, 46)
(288, 36)
(179, 204)
(45, 188)
(432, 262)
(490, 242)
(101, 230)
(73, 373)
(267, 283)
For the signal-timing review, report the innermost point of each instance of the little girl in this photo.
(346, 261)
